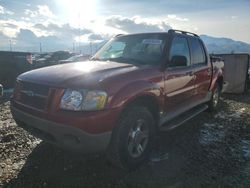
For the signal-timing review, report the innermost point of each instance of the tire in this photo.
(132, 139)
(214, 102)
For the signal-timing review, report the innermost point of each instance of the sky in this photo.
(66, 24)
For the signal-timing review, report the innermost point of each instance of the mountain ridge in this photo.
(224, 45)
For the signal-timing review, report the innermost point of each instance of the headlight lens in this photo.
(87, 100)
(71, 100)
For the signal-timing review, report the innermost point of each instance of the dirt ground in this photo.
(211, 150)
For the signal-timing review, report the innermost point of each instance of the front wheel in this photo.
(132, 138)
(214, 102)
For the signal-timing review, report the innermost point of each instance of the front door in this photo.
(179, 77)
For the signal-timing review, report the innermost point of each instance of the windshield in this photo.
(134, 49)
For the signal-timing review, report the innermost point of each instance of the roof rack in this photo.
(182, 32)
(118, 35)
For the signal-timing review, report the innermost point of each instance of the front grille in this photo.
(33, 95)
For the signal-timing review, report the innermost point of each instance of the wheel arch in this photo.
(148, 101)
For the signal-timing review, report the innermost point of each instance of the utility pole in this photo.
(90, 48)
(79, 46)
(41, 47)
(10, 45)
(73, 47)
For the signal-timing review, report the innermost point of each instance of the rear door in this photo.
(179, 83)
(202, 68)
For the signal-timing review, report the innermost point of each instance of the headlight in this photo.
(78, 100)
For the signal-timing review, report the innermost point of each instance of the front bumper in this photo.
(64, 136)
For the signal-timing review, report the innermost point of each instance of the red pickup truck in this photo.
(135, 86)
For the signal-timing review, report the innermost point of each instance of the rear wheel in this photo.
(132, 139)
(214, 102)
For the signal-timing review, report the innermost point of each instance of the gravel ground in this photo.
(211, 150)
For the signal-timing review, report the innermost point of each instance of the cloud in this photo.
(11, 27)
(3, 37)
(234, 18)
(30, 13)
(45, 11)
(64, 31)
(4, 42)
(52, 36)
(26, 36)
(174, 17)
(136, 25)
(27, 40)
(1, 10)
(41, 12)
(5, 11)
(95, 37)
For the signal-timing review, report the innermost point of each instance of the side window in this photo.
(179, 52)
(197, 51)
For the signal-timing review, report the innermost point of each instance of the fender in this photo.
(134, 90)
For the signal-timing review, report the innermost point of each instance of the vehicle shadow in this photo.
(186, 163)
(48, 166)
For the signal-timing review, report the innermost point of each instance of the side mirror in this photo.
(178, 61)
(1, 90)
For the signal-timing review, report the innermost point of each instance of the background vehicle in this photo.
(75, 58)
(11, 65)
(52, 58)
(135, 86)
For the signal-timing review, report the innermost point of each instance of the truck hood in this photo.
(88, 73)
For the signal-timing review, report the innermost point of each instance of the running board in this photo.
(183, 118)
